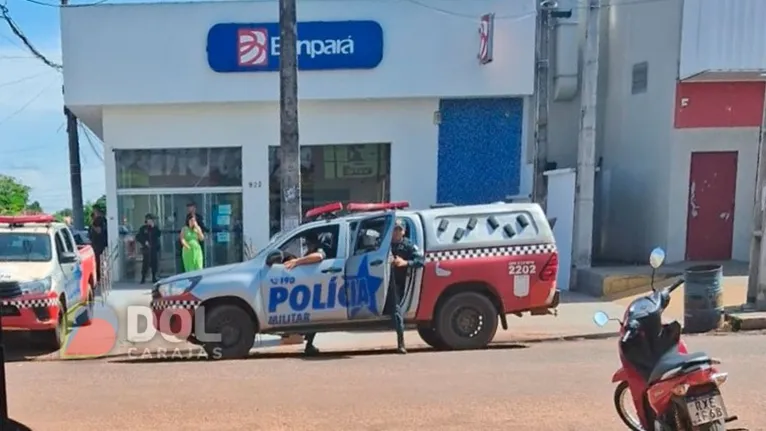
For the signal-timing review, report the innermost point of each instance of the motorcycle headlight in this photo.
(37, 286)
(178, 287)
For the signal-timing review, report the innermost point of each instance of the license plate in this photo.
(706, 409)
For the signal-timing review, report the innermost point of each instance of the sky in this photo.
(33, 139)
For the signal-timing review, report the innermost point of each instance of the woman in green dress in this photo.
(191, 235)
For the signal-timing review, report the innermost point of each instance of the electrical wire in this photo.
(24, 79)
(42, 3)
(26, 105)
(86, 132)
(20, 35)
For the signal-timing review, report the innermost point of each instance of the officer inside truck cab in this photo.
(406, 256)
(316, 251)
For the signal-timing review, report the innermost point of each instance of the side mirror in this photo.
(274, 257)
(600, 318)
(68, 257)
(657, 257)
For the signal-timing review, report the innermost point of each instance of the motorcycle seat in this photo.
(673, 359)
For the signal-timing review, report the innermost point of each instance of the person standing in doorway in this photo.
(406, 256)
(191, 211)
(191, 239)
(149, 238)
(98, 238)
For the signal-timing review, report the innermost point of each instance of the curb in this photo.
(746, 321)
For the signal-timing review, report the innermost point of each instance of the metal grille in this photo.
(9, 289)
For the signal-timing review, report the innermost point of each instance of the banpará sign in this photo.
(322, 45)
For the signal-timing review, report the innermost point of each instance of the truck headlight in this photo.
(178, 287)
(36, 286)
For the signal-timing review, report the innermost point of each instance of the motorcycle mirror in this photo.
(656, 257)
(600, 318)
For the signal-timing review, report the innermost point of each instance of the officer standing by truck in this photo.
(406, 257)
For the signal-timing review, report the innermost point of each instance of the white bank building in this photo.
(396, 103)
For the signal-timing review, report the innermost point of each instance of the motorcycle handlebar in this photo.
(675, 285)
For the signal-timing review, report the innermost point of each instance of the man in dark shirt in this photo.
(149, 238)
(98, 237)
(316, 251)
(406, 256)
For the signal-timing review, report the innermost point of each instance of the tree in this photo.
(87, 210)
(35, 207)
(14, 195)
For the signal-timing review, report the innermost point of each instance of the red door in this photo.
(710, 220)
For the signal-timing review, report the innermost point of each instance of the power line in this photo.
(91, 143)
(20, 35)
(26, 105)
(56, 5)
(24, 79)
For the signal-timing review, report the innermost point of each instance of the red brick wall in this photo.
(719, 104)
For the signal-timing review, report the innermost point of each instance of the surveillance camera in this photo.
(549, 4)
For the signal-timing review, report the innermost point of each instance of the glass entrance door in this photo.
(221, 214)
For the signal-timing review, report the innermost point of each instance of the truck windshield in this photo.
(25, 247)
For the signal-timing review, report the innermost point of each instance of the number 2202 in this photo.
(524, 268)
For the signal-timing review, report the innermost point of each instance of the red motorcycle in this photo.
(671, 389)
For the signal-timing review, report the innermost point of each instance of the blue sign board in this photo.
(322, 45)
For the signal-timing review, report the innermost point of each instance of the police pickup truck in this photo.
(44, 273)
(482, 262)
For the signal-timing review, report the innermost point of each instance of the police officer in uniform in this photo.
(406, 256)
(316, 251)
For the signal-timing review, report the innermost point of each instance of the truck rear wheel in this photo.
(466, 320)
(428, 334)
(236, 331)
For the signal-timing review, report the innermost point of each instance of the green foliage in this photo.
(14, 195)
(87, 210)
(34, 207)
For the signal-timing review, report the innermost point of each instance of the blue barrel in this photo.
(703, 298)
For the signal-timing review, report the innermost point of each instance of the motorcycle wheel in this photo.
(621, 397)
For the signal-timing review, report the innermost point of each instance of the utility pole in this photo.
(290, 163)
(586, 146)
(756, 282)
(75, 170)
(542, 101)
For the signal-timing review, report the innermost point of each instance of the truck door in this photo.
(368, 267)
(69, 270)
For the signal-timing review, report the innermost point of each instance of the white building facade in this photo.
(394, 105)
(681, 115)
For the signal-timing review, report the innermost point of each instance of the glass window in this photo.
(327, 235)
(369, 235)
(332, 173)
(25, 247)
(68, 243)
(221, 214)
(179, 167)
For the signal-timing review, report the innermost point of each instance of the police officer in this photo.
(316, 251)
(406, 256)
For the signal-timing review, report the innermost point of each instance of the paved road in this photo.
(541, 386)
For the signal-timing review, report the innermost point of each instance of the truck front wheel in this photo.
(428, 334)
(466, 320)
(234, 329)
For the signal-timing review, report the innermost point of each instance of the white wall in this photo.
(638, 129)
(686, 141)
(406, 124)
(723, 35)
(127, 54)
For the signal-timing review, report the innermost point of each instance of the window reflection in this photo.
(183, 167)
(332, 173)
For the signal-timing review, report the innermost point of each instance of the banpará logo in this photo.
(315, 47)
